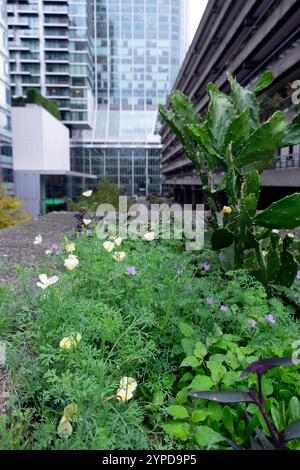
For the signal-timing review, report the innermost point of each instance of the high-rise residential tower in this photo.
(6, 172)
(138, 49)
(51, 49)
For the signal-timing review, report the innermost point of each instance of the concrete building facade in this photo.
(246, 38)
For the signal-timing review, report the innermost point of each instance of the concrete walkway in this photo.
(16, 242)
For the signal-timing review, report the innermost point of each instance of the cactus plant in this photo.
(233, 138)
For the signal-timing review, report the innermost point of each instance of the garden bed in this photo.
(171, 325)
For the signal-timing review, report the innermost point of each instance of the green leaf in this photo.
(262, 145)
(227, 418)
(200, 350)
(292, 431)
(201, 382)
(186, 330)
(220, 114)
(292, 137)
(177, 411)
(221, 238)
(207, 437)
(190, 361)
(251, 185)
(288, 269)
(182, 396)
(227, 258)
(276, 417)
(199, 415)
(281, 214)
(184, 107)
(238, 132)
(188, 346)
(294, 408)
(178, 430)
(158, 398)
(217, 371)
(264, 81)
(244, 99)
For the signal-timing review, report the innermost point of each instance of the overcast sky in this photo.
(197, 8)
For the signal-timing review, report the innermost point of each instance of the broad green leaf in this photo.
(184, 107)
(281, 214)
(200, 350)
(221, 238)
(215, 411)
(177, 411)
(276, 417)
(178, 430)
(227, 258)
(288, 269)
(201, 382)
(227, 418)
(181, 397)
(199, 415)
(188, 346)
(292, 137)
(294, 408)
(238, 132)
(220, 114)
(201, 136)
(262, 145)
(158, 397)
(186, 330)
(217, 371)
(264, 81)
(244, 99)
(190, 361)
(251, 184)
(231, 378)
(207, 437)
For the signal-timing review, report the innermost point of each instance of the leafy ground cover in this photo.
(104, 352)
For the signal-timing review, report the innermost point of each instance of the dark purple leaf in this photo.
(223, 397)
(266, 444)
(255, 445)
(292, 431)
(232, 443)
(260, 367)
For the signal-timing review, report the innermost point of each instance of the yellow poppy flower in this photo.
(70, 247)
(227, 210)
(108, 246)
(68, 342)
(119, 256)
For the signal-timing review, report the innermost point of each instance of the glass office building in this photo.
(138, 49)
(6, 172)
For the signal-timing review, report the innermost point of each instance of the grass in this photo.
(130, 326)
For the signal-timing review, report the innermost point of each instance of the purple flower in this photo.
(298, 275)
(206, 266)
(54, 246)
(179, 271)
(88, 231)
(224, 308)
(270, 319)
(209, 300)
(252, 323)
(131, 270)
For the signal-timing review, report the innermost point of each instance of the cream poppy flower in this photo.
(48, 252)
(38, 240)
(45, 281)
(70, 412)
(119, 256)
(127, 386)
(64, 429)
(108, 246)
(86, 221)
(68, 342)
(70, 247)
(118, 241)
(149, 236)
(71, 262)
(87, 193)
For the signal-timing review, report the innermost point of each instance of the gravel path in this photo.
(16, 242)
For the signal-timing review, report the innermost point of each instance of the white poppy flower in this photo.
(118, 241)
(119, 256)
(38, 240)
(68, 342)
(86, 221)
(149, 236)
(71, 262)
(64, 429)
(70, 247)
(87, 193)
(46, 281)
(127, 386)
(108, 246)
(48, 252)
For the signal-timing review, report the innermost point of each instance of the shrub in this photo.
(10, 213)
(34, 96)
